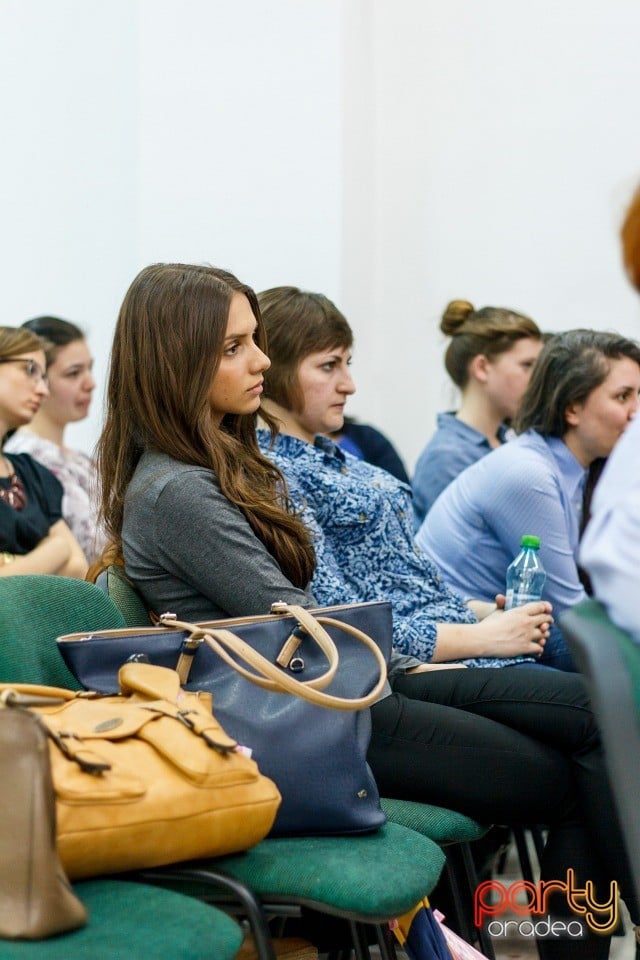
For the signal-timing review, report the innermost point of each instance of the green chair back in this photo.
(34, 611)
(126, 597)
(610, 661)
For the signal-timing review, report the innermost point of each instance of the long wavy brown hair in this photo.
(166, 350)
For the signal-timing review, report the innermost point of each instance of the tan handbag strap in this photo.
(13, 698)
(277, 680)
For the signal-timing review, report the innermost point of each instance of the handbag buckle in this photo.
(223, 748)
(96, 767)
(279, 607)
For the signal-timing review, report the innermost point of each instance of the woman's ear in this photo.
(479, 368)
(572, 414)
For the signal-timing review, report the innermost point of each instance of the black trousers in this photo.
(511, 746)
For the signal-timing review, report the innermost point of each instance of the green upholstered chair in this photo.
(610, 662)
(366, 880)
(136, 921)
(34, 611)
(335, 875)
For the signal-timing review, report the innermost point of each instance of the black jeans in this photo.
(511, 746)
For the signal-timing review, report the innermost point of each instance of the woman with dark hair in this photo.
(581, 397)
(205, 527)
(71, 384)
(33, 536)
(490, 359)
(469, 739)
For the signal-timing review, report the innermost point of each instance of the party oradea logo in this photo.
(530, 901)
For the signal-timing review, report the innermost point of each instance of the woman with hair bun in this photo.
(490, 359)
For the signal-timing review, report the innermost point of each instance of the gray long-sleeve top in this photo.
(190, 550)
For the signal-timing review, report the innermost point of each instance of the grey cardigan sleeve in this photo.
(205, 540)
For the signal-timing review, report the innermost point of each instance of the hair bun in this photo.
(457, 313)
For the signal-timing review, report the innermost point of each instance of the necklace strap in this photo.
(15, 496)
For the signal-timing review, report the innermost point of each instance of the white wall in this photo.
(392, 155)
(67, 165)
(145, 130)
(503, 145)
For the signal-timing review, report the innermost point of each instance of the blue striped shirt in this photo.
(532, 485)
(453, 447)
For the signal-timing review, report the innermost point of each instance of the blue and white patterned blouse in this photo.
(362, 521)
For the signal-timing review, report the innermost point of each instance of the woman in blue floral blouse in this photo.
(360, 515)
(501, 745)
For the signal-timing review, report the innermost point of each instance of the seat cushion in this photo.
(371, 877)
(139, 922)
(437, 823)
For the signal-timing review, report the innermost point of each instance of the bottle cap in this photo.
(530, 541)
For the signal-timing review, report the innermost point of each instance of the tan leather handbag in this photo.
(36, 900)
(148, 777)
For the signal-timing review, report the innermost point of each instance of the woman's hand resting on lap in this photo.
(510, 633)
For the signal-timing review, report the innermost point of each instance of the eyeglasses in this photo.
(32, 369)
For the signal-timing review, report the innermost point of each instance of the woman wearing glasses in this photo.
(33, 536)
(71, 385)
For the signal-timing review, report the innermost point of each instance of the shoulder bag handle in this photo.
(225, 643)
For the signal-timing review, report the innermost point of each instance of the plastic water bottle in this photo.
(525, 576)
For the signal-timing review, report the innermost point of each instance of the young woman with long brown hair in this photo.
(188, 500)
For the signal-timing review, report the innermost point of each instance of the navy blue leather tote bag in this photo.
(293, 687)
